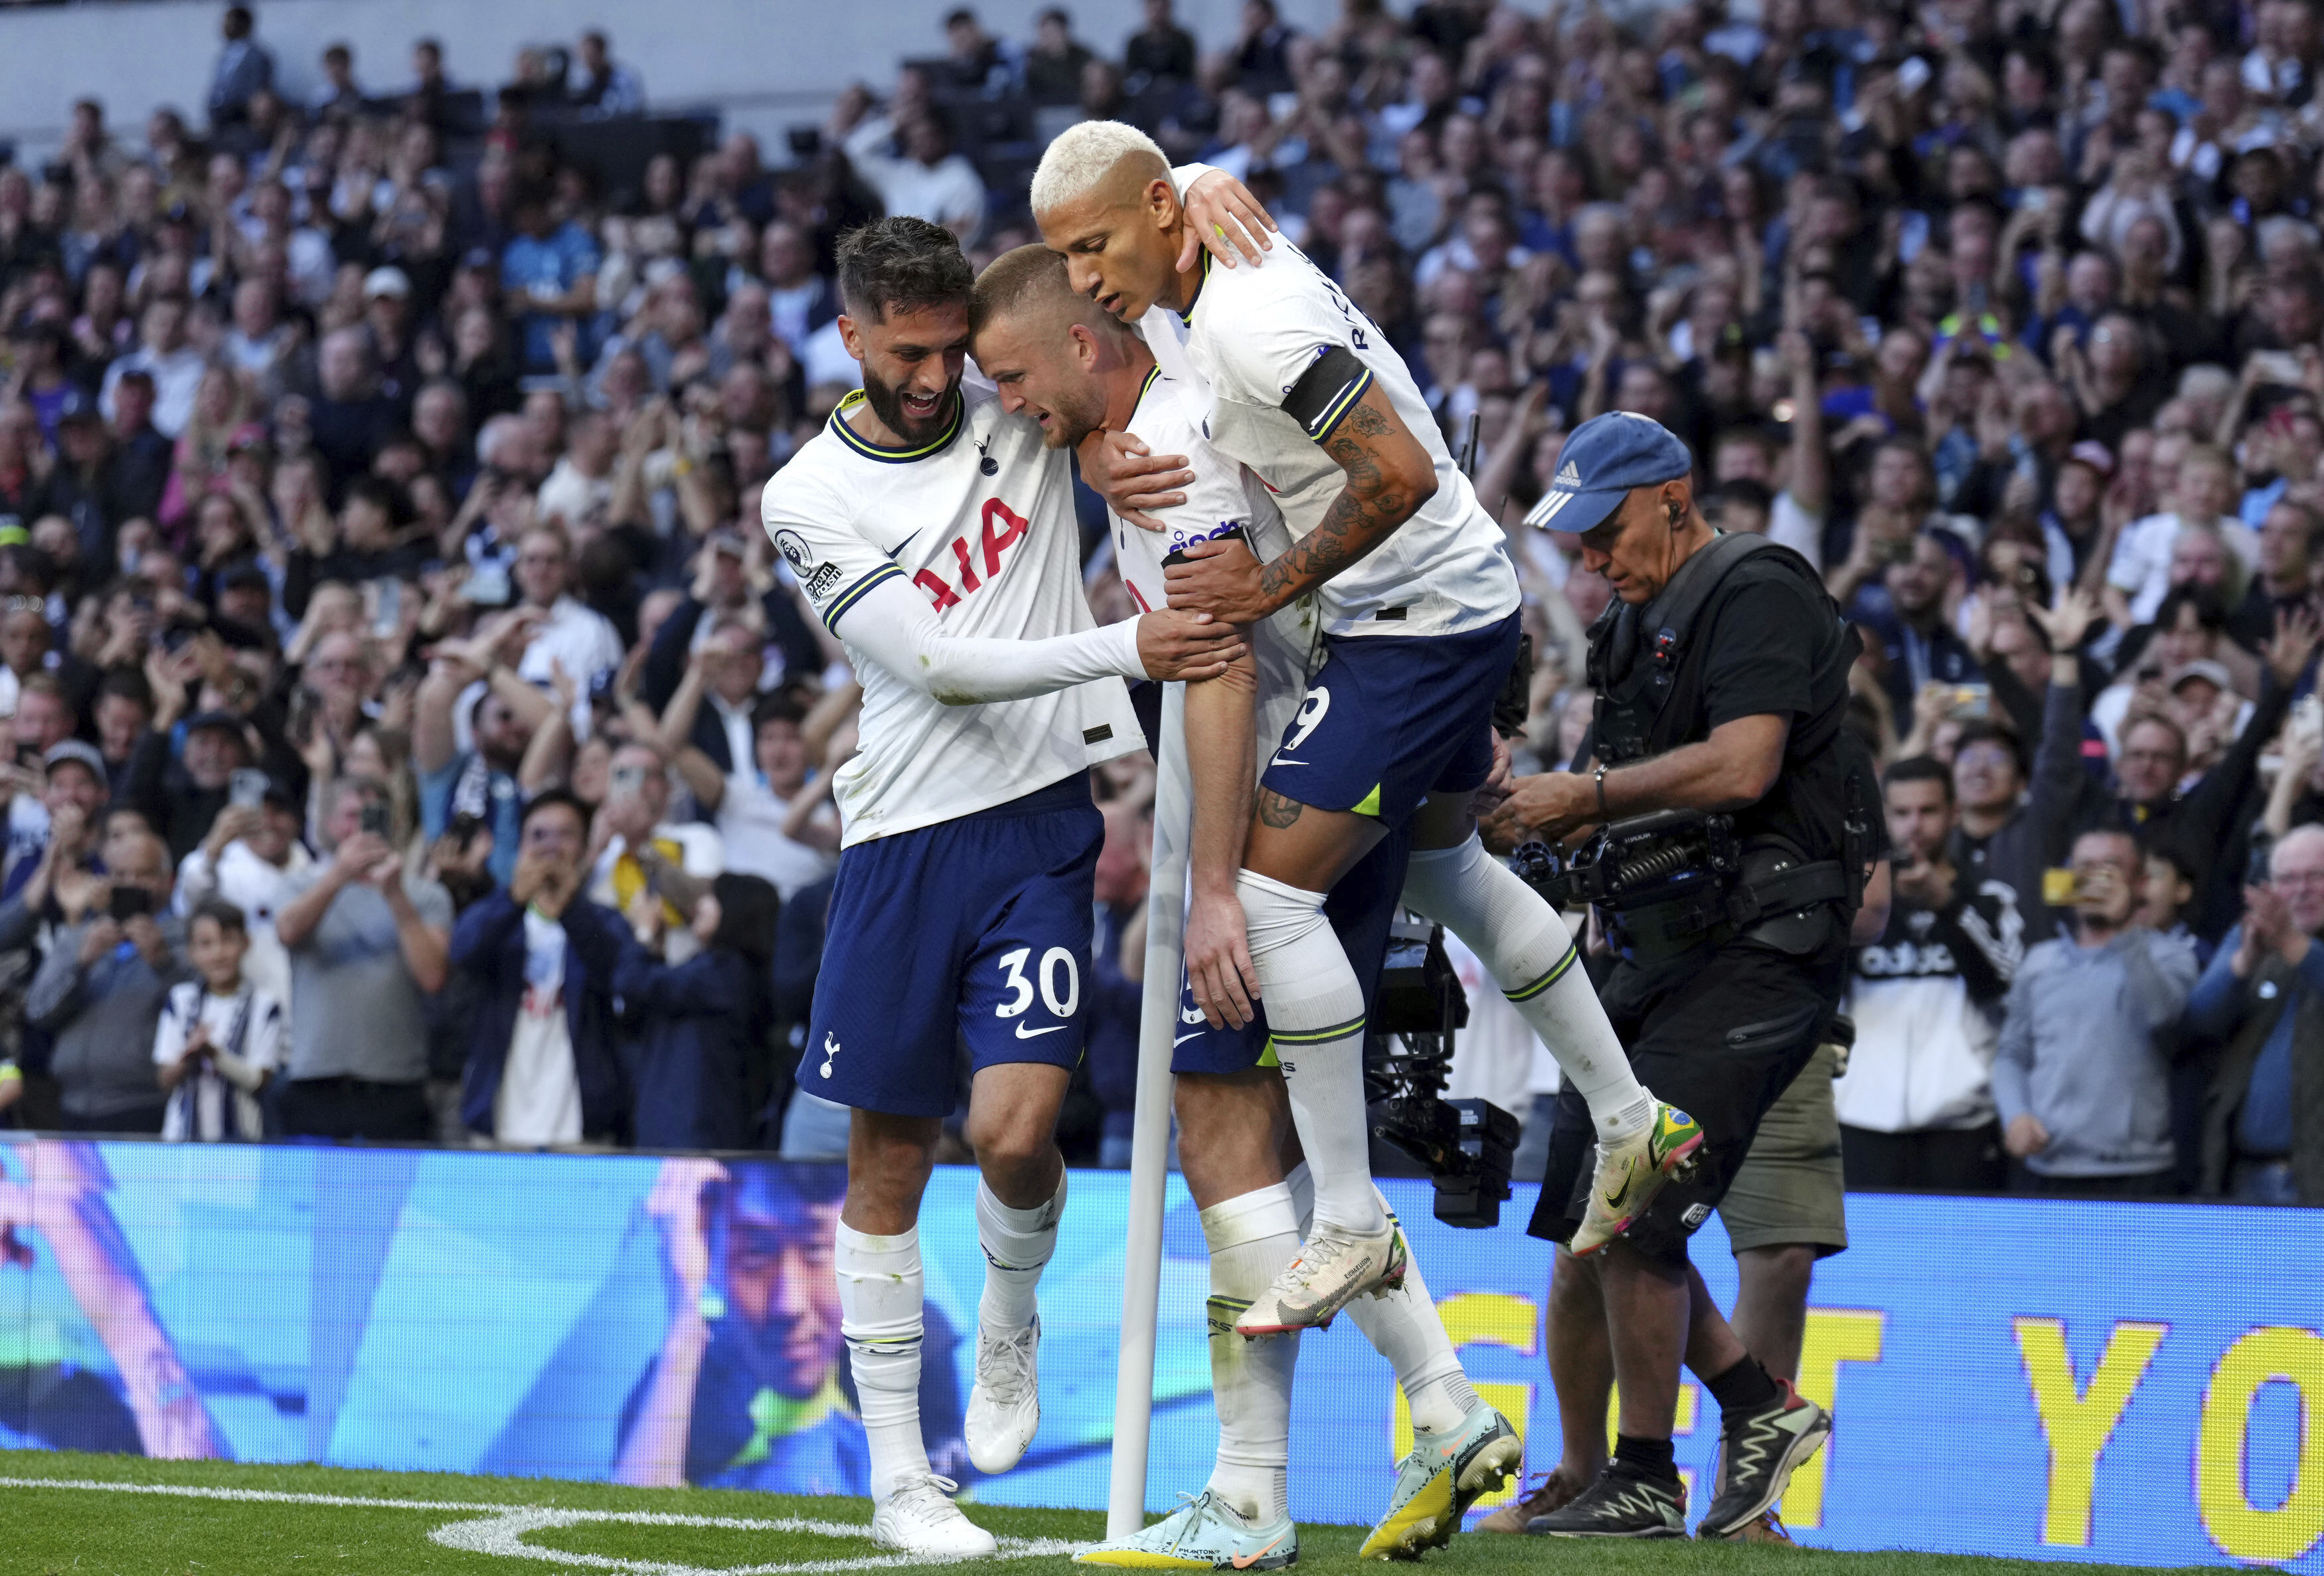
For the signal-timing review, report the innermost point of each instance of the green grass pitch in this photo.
(63, 1514)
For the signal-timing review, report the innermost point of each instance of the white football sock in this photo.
(1526, 947)
(1251, 1238)
(879, 1292)
(1315, 1015)
(1017, 1245)
(1404, 1327)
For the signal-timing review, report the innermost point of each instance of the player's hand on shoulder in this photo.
(1223, 217)
(1176, 645)
(1133, 482)
(1221, 578)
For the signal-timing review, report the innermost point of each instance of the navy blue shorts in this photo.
(1390, 719)
(1361, 909)
(973, 931)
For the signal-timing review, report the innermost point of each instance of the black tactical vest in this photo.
(1649, 695)
(1649, 673)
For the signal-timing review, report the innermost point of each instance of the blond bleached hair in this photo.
(1083, 156)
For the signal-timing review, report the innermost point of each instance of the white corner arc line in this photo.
(251, 1496)
(501, 1528)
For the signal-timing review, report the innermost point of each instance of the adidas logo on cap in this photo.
(1570, 476)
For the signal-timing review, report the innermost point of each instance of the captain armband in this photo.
(1327, 391)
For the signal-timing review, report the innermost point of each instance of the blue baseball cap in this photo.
(1603, 459)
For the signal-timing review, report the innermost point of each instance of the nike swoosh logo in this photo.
(900, 546)
(1028, 1033)
(1615, 1199)
(1279, 760)
(1245, 1562)
(1183, 1038)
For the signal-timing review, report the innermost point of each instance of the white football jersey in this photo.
(1251, 335)
(981, 521)
(1224, 492)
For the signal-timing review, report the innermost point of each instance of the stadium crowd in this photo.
(414, 736)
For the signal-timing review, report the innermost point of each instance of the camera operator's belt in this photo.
(1716, 914)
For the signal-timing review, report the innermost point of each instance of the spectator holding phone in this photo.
(2010, 828)
(101, 991)
(182, 797)
(251, 859)
(1916, 1104)
(773, 825)
(2150, 776)
(703, 1026)
(366, 942)
(220, 1037)
(563, 631)
(543, 1067)
(633, 845)
(2080, 1080)
(476, 789)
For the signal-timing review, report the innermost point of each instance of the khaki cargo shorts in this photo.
(1790, 1189)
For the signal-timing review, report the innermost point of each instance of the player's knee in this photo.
(1777, 1275)
(1010, 1144)
(1275, 913)
(1252, 1100)
(1572, 1278)
(1436, 880)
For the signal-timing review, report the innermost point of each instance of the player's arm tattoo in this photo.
(1367, 510)
(1277, 811)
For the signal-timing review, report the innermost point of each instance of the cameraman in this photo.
(1720, 691)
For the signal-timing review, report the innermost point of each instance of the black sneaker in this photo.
(1621, 1504)
(1763, 1449)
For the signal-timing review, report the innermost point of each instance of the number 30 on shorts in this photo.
(1055, 961)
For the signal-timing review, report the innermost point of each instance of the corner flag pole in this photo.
(1149, 1144)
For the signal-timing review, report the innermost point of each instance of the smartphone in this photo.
(487, 584)
(627, 780)
(2307, 717)
(463, 829)
(128, 902)
(28, 756)
(2058, 888)
(1972, 701)
(375, 818)
(246, 790)
(388, 606)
